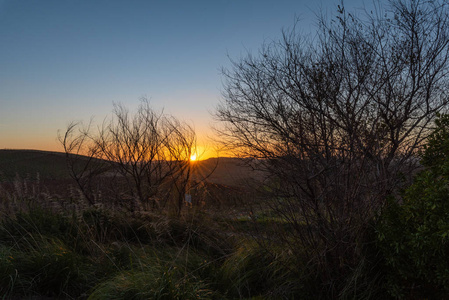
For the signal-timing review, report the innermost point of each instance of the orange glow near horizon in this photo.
(203, 150)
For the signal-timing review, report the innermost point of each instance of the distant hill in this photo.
(52, 166)
(228, 171)
(29, 163)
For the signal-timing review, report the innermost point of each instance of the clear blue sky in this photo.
(65, 60)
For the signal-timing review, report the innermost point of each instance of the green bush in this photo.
(413, 232)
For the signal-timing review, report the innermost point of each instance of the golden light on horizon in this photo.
(193, 157)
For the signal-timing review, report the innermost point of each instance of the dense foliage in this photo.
(413, 231)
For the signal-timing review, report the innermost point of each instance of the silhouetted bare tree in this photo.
(149, 151)
(336, 120)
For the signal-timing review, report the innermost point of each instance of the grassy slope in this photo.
(29, 163)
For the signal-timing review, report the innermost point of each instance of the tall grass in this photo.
(76, 252)
(102, 254)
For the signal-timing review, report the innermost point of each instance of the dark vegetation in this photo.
(55, 244)
(342, 191)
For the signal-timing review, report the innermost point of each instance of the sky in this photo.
(67, 60)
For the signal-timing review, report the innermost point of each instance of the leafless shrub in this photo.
(145, 157)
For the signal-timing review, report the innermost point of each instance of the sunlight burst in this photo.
(193, 157)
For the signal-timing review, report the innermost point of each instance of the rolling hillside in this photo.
(52, 166)
(30, 163)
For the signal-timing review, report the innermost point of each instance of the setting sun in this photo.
(193, 157)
